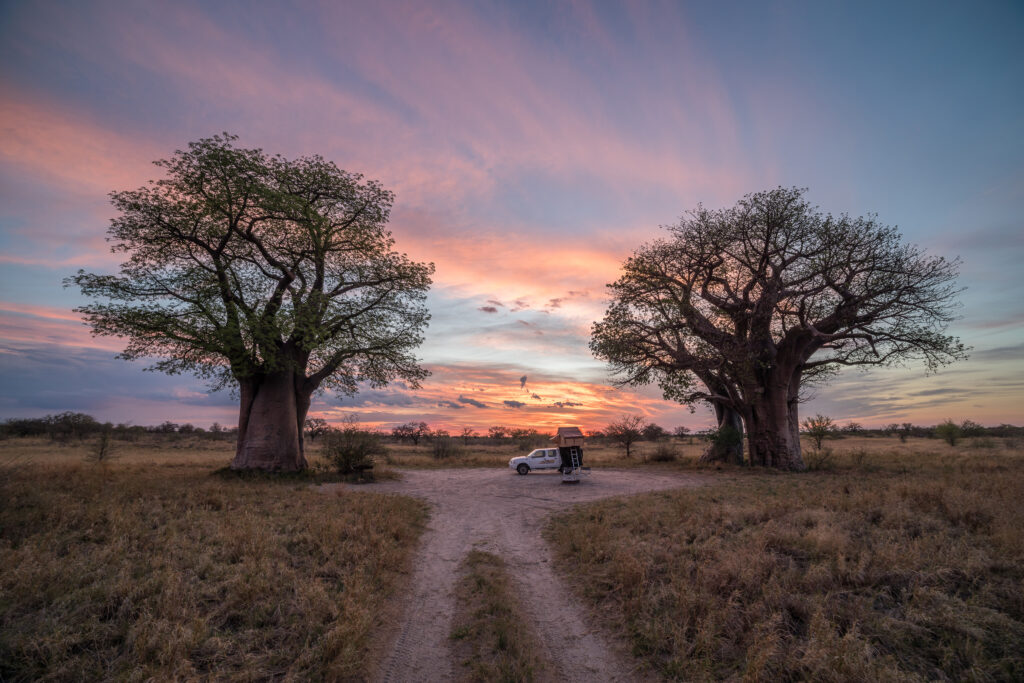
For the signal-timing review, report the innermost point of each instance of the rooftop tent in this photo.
(568, 436)
(567, 439)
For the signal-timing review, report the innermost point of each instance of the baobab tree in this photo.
(743, 307)
(273, 276)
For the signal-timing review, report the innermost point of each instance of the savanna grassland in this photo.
(889, 562)
(152, 567)
(886, 561)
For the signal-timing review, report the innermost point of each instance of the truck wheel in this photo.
(523, 468)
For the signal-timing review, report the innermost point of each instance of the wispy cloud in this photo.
(26, 324)
(471, 401)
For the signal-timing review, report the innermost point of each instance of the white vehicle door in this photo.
(538, 459)
(551, 457)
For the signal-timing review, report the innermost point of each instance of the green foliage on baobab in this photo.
(742, 307)
(276, 276)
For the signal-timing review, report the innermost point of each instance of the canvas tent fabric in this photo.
(569, 436)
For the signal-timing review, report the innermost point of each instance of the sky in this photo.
(531, 146)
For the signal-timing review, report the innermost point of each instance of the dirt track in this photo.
(503, 513)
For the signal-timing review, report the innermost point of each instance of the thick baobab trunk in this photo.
(269, 424)
(773, 428)
(721, 451)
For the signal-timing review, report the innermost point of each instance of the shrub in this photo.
(971, 428)
(101, 450)
(818, 427)
(819, 459)
(949, 432)
(905, 430)
(352, 449)
(664, 452)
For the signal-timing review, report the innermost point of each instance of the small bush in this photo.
(664, 452)
(819, 459)
(352, 449)
(102, 449)
(970, 428)
(818, 427)
(949, 432)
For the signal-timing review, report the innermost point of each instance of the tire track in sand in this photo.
(503, 513)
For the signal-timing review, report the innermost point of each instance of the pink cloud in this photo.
(478, 115)
(28, 324)
(508, 112)
(64, 148)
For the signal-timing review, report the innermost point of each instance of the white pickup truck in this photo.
(539, 459)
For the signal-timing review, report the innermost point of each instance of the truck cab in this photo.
(538, 459)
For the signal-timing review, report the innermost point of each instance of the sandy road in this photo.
(503, 513)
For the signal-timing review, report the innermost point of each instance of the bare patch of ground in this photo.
(502, 513)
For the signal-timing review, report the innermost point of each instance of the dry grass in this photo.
(162, 571)
(902, 562)
(151, 450)
(166, 450)
(492, 641)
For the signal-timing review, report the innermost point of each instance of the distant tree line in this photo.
(73, 426)
(623, 432)
(822, 427)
